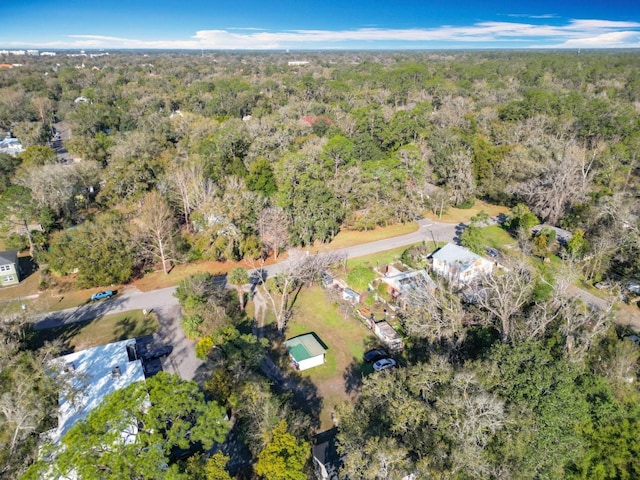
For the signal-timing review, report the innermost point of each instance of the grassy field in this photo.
(346, 338)
(349, 238)
(457, 215)
(381, 258)
(497, 237)
(110, 328)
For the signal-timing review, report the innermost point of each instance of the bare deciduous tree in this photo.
(473, 416)
(563, 181)
(435, 313)
(43, 105)
(581, 326)
(56, 185)
(503, 294)
(191, 186)
(273, 229)
(298, 270)
(156, 228)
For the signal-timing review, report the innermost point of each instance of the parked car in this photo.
(375, 355)
(603, 285)
(326, 279)
(101, 295)
(492, 252)
(158, 352)
(384, 364)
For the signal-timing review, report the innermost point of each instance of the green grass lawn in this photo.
(346, 338)
(497, 237)
(348, 238)
(457, 215)
(381, 258)
(107, 329)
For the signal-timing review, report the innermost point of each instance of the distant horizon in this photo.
(292, 51)
(251, 25)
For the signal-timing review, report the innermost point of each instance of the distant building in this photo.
(350, 296)
(387, 334)
(402, 283)
(562, 236)
(326, 459)
(305, 351)
(295, 63)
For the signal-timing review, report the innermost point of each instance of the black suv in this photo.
(375, 355)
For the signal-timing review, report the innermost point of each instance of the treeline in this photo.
(248, 154)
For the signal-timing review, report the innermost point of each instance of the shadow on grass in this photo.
(64, 334)
(27, 267)
(353, 377)
(128, 327)
(303, 395)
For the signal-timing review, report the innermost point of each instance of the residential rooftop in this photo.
(92, 374)
(304, 347)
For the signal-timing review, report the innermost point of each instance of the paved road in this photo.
(183, 360)
(162, 302)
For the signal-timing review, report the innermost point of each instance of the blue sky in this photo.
(333, 24)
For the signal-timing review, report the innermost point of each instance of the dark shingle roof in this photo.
(9, 257)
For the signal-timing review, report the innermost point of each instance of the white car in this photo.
(384, 364)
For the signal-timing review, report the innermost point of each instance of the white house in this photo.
(459, 265)
(11, 145)
(90, 375)
(305, 351)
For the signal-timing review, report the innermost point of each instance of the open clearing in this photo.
(346, 338)
(458, 215)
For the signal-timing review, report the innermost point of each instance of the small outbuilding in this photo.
(305, 351)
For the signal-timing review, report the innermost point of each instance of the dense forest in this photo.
(178, 157)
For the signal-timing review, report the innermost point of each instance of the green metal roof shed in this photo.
(305, 351)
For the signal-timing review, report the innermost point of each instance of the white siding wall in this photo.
(311, 362)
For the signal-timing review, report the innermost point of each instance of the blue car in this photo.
(101, 295)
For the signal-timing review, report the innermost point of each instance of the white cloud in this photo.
(529, 15)
(606, 40)
(578, 33)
